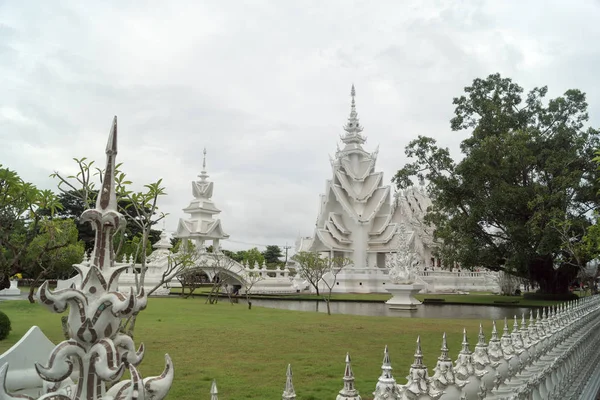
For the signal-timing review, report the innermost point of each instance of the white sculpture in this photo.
(402, 264)
(96, 349)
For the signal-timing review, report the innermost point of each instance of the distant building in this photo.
(202, 226)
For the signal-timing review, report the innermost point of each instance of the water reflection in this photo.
(380, 309)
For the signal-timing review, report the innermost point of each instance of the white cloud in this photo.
(264, 87)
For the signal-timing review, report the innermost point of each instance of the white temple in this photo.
(360, 219)
(202, 225)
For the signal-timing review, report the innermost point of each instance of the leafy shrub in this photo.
(4, 326)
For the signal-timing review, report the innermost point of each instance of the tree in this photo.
(317, 269)
(234, 255)
(21, 213)
(218, 266)
(272, 254)
(178, 263)
(252, 278)
(191, 279)
(521, 196)
(333, 266)
(62, 236)
(253, 256)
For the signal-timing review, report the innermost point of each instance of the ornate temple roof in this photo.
(356, 210)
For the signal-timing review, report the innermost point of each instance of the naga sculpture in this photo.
(97, 353)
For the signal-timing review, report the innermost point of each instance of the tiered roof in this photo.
(355, 192)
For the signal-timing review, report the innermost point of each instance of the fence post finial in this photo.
(386, 384)
(349, 392)
(214, 393)
(289, 393)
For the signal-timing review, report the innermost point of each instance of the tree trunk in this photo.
(34, 285)
(550, 280)
(4, 282)
(328, 308)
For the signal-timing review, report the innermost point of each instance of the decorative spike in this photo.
(289, 393)
(203, 175)
(444, 356)
(349, 392)
(352, 127)
(463, 367)
(214, 393)
(443, 374)
(506, 342)
(481, 337)
(107, 197)
(494, 332)
(418, 354)
(465, 343)
(386, 384)
(517, 338)
(386, 358)
(418, 380)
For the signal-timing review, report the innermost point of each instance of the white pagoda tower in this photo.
(359, 218)
(202, 224)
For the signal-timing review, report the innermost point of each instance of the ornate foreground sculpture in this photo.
(97, 352)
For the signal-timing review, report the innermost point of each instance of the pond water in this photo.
(464, 311)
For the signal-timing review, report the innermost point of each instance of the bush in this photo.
(4, 326)
(550, 296)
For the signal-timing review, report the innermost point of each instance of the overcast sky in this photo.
(265, 87)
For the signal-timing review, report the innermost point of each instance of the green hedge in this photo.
(550, 296)
(4, 325)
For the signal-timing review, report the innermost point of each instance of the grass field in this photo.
(247, 351)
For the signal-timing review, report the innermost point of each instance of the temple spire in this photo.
(353, 127)
(203, 175)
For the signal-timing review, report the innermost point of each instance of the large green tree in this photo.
(41, 264)
(21, 213)
(73, 206)
(272, 254)
(519, 200)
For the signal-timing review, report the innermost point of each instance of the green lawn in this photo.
(247, 351)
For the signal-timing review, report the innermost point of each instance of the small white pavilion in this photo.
(202, 225)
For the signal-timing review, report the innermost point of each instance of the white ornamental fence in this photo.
(556, 356)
